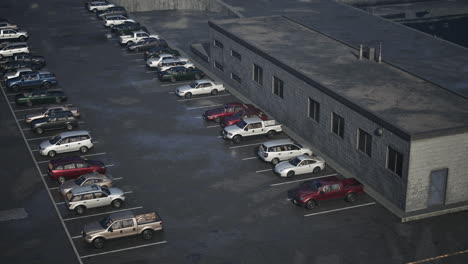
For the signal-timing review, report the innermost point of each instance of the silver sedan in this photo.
(86, 179)
(300, 165)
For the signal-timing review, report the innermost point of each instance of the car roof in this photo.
(66, 160)
(277, 142)
(74, 133)
(85, 189)
(93, 174)
(253, 120)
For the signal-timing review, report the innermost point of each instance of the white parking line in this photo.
(249, 158)
(140, 59)
(95, 154)
(150, 71)
(35, 150)
(200, 107)
(244, 146)
(124, 249)
(12, 102)
(30, 109)
(144, 65)
(38, 138)
(76, 237)
(53, 188)
(129, 192)
(118, 179)
(212, 126)
(340, 209)
(110, 165)
(59, 203)
(180, 83)
(111, 212)
(204, 97)
(199, 117)
(43, 161)
(439, 257)
(133, 54)
(171, 92)
(312, 178)
(219, 136)
(259, 171)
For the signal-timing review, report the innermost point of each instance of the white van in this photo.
(275, 151)
(66, 142)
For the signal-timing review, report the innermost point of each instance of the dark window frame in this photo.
(278, 87)
(257, 74)
(218, 44)
(313, 110)
(337, 125)
(218, 65)
(236, 55)
(236, 78)
(364, 142)
(395, 161)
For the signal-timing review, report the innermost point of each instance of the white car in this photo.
(6, 24)
(275, 151)
(199, 87)
(79, 140)
(136, 37)
(168, 64)
(15, 73)
(114, 20)
(155, 61)
(8, 49)
(81, 198)
(95, 6)
(12, 34)
(300, 165)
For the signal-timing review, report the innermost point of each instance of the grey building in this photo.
(404, 137)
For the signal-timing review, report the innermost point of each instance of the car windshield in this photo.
(312, 185)
(241, 124)
(80, 181)
(238, 114)
(194, 84)
(294, 161)
(106, 222)
(105, 190)
(55, 139)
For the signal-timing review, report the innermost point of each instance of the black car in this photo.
(126, 26)
(153, 52)
(180, 73)
(60, 120)
(146, 44)
(115, 10)
(37, 60)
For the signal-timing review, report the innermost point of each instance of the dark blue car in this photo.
(31, 80)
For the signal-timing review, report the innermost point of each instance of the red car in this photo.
(72, 168)
(218, 114)
(246, 113)
(310, 193)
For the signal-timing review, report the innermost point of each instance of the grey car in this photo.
(102, 180)
(91, 196)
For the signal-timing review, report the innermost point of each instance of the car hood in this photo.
(116, 191)
(10, 75)
(96, 163)
(184, 88)
(22, 32)
(12, 80)
(233, 129)
(45, 144)
(93, 227)
(66, 186)
(283, 166)
(33, 116)
(215, 111)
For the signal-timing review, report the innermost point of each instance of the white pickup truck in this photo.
(199, 87)
(135, 37)
(249, 127)
(10, 33)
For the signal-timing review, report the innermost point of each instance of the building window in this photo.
(236, 55)
(338, 125)
(218, 44)
(258, 74)
(364, 142)
(278, 86)
(218, 66)
(395, 161)
(236, 78)
(314, 110)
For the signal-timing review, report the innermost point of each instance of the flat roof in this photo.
(399, 101)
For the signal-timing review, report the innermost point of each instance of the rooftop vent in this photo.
(371, 51)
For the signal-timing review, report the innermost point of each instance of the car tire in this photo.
(217, 119)
(290, 174)
(29, 103)
(147, 234)
(61, 179)
(316, 170)
(94, 10)
(271, 134)
(69, 126)
(311, 204)
(275, 161)
(15, 88)
(117, 203)
(58, 100)
(52, 153)
(80, 209)
(22, 38)
(188, 95)
(173, 79)
(197, 76)
(46, 85)
(129, 43)
(84, 149)
(351, 197)
(98, 242)
(39, 130)
(214, 92)
(237, 139)
(305, 154)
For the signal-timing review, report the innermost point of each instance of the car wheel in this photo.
(15, 88)
(98, 242)
(351, 197)
(94, 10)
(236, 139)
(39, 130)
(52, 154)
(147, 234)
(22, 38)
(129, 43)
(188, 95)
(271, 134)
(197, 76)
(306, 154)
(58, 100)
(84, 149)
(316, 170)
(61, 179)
(217, 119)
(173, 79)
(117, 203)
(46, 85)
(29, 103)
(69, 126)
(79, 210)
(311, 204)
(290, 174)
(275, 161)
(214, 92)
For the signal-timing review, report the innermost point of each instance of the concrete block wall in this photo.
(433, 154)
(292, 111)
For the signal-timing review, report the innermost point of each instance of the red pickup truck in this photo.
(310, 193)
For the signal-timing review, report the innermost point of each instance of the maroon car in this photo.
(218, 114)
(246, 113)
(310, 193)
(72, 168)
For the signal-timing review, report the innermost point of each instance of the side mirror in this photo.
(110, 229)
(246, 129)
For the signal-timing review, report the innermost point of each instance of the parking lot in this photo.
(219, 202)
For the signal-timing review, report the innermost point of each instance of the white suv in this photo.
(95, 6)
(81, 198)
(113, 20)
(275, 151)
(8, 49)
(66, 142)
(154, 62)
